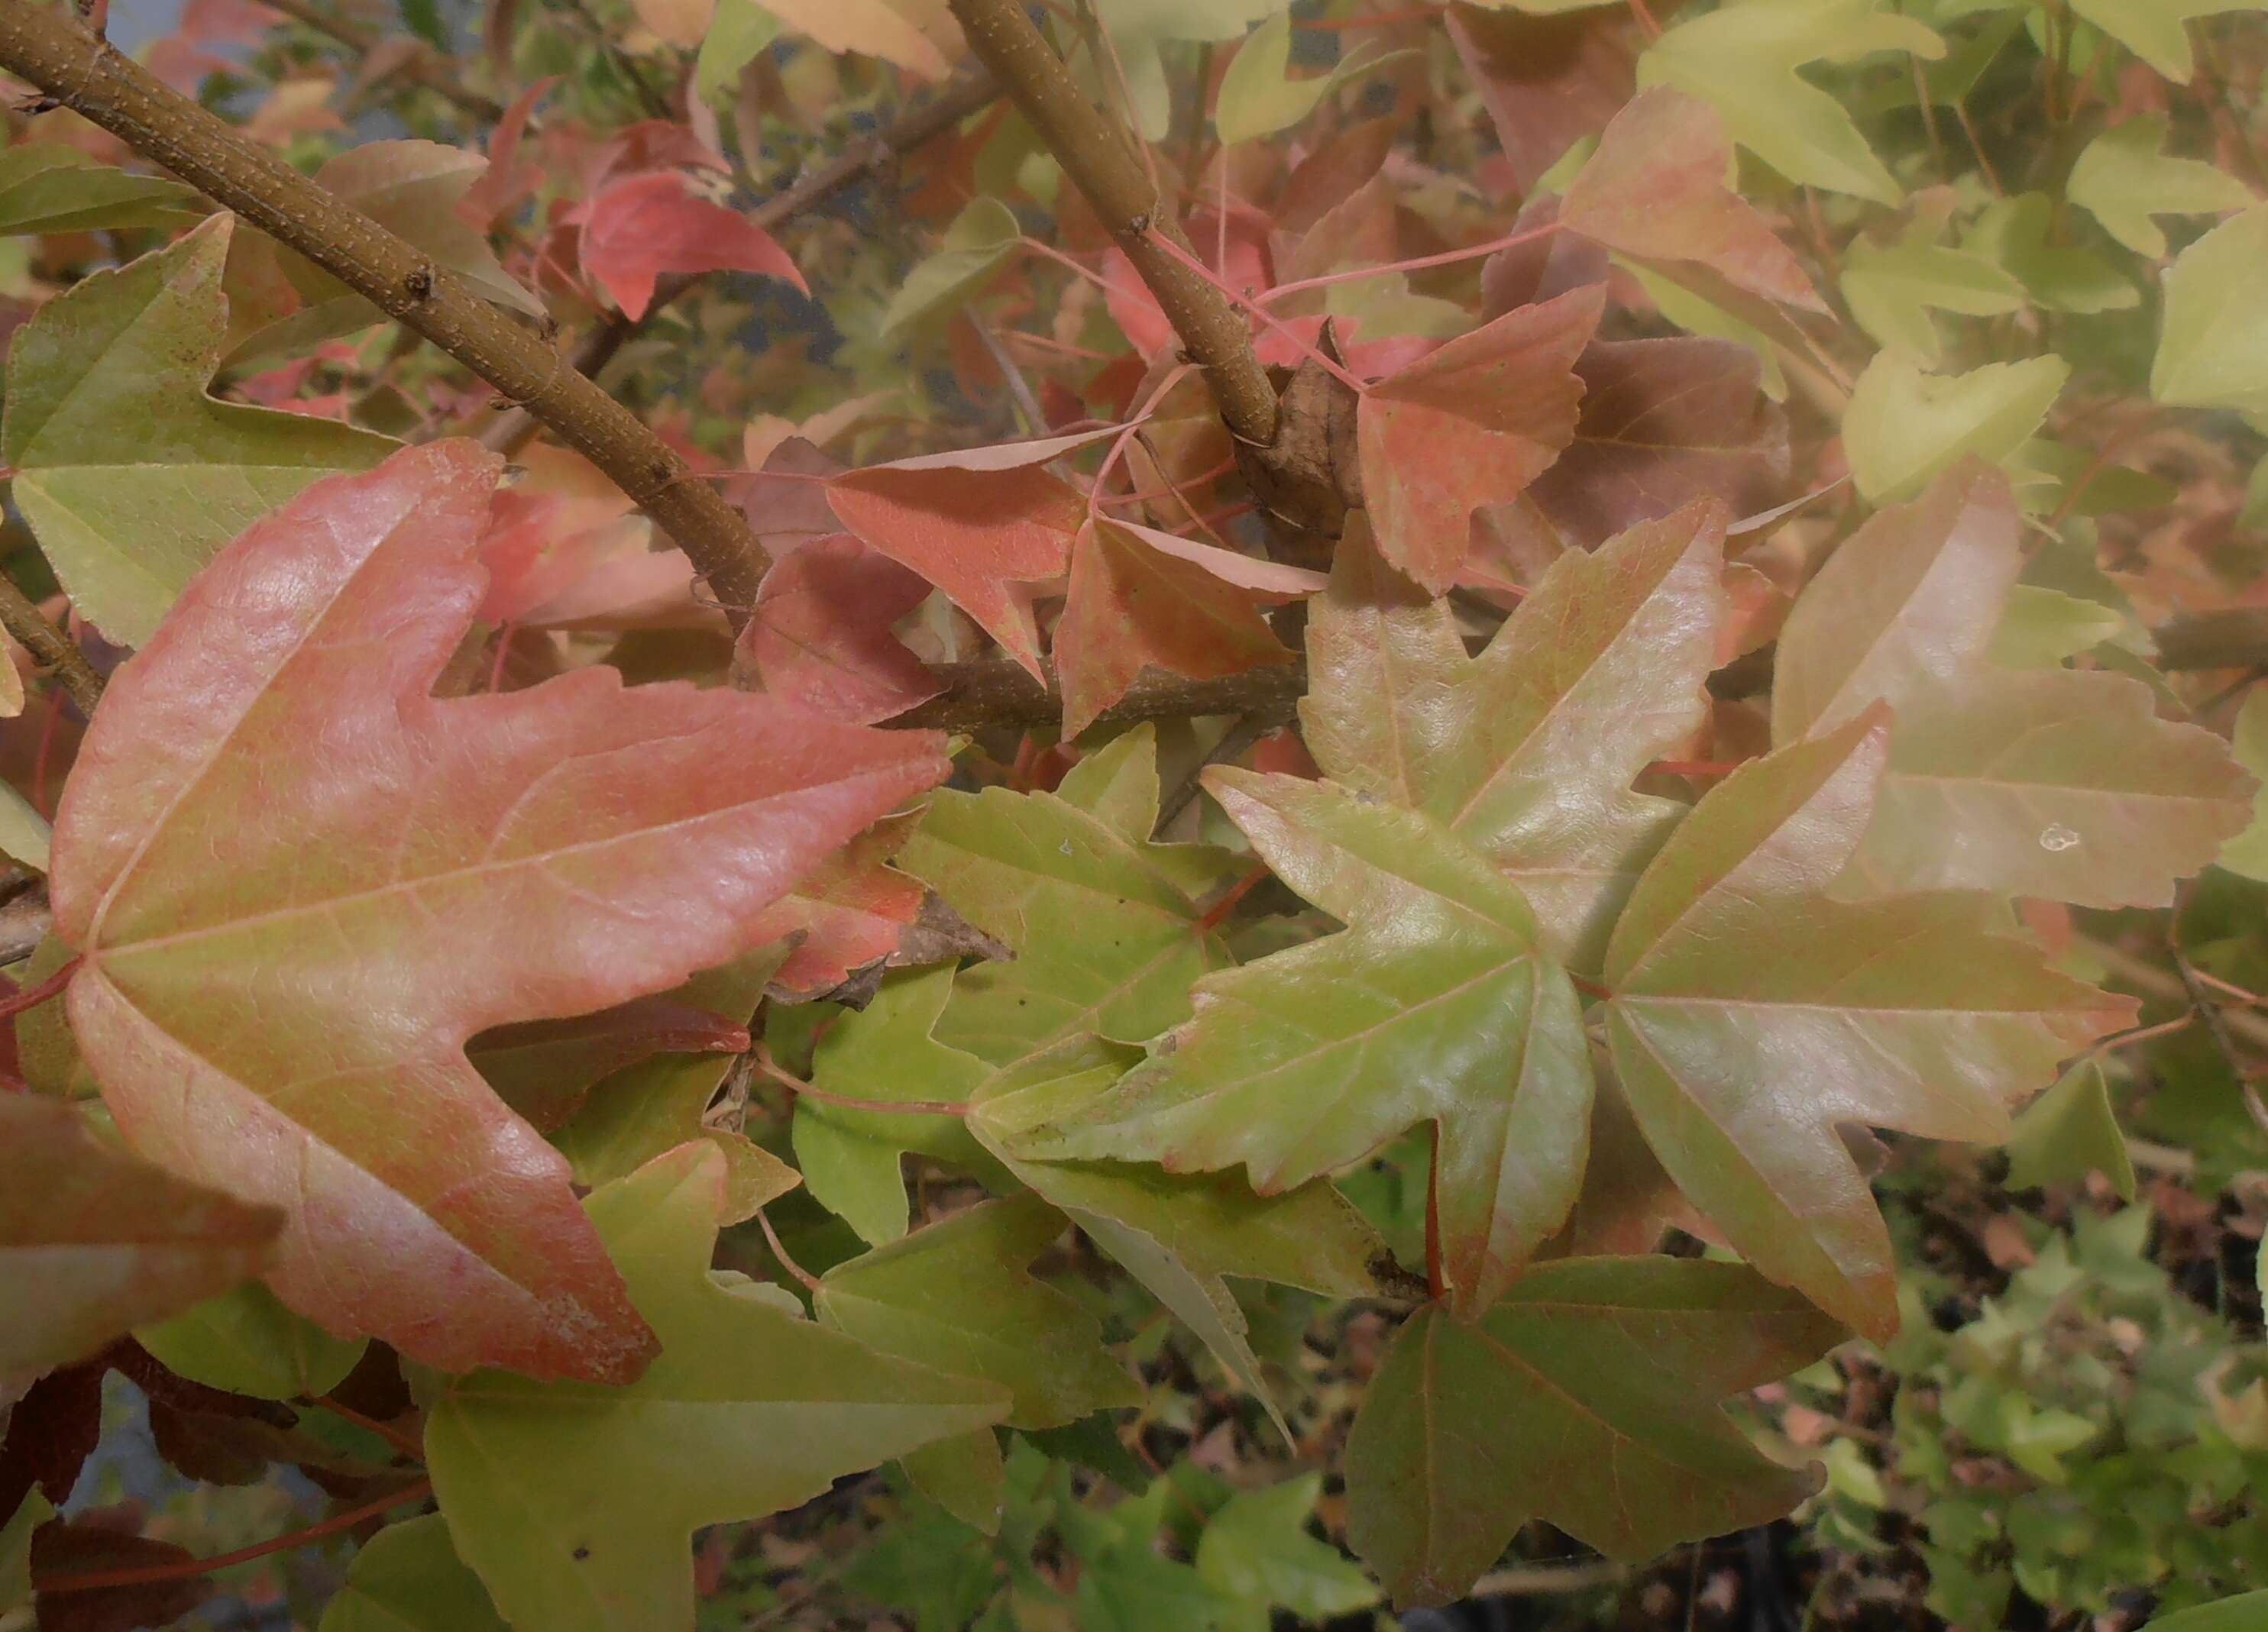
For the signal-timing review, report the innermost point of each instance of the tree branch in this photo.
(1000, 692)
(91, 77)
(50, 646)
(509, 433)
(1099, 156)
(420, 71)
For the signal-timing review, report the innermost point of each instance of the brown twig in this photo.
(101, 83)
(1101, 158)
(49, 646)
(420, 71)
(509, 433)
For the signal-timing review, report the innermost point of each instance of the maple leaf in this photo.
(820, 635)
(408, 1578)
(920, 35)
(299, 883)
(2123, 178)
(640, 226)
(245, 1342)
(851, 1155)
(1471, 423)
(575, 1502)
(46, 187)
(984, 525)
(130, 473)
(2052, 782)
(1743, 58)
(1435, 1005)
(1585, 1397)
(956, 1295)
(1663, 423)
(93, 1241)
(1527, 751)
(1548, 81)
(1179, 1234)
(1753, 1016)
(1655, 191)
(1141, 599)
(1106, 927)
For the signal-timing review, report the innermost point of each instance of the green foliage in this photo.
(2090, 1431)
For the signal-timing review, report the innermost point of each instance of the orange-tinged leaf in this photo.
(1471, 423)
(1656, 190)
(915, 34)
(1133, 607)
(985, 527)
(2059, 784)
(1754, 1017)
(641, 226)
(94, 1241)
(1911, 597)
(1586, 1397)
(1527, 751)
(820, 633)
(300, 883)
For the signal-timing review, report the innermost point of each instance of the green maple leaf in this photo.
(1892, 289)
(48, 187)
(1139, 32)
(956, 1295)
(408, 1578)
(1436, 1004)
(2055, 782)
(2124, 177)
(575, 1502)
(1904, 425)
(1585, 1398)
(1256, 1552)
(1744, 56)
(2157, 31)
(1460, 785)
(2070, 1132)
(246, 1341)
(1754, 1016)
(2019, 233)
(1105, 925)
(2213, 352)
(2246, 853)
(852, 1157)
(1179, 1234)
(129, 473)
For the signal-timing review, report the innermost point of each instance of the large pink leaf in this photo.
(644, 225)
(1471, 423)
(300, 883)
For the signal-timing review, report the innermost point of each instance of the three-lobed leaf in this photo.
(1755, 1016)
(299, 884)
(1587, 1397)
(575, 1501)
